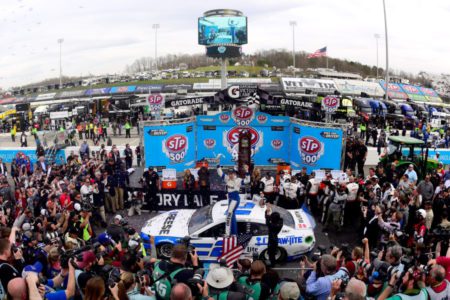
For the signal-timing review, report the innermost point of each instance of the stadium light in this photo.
(377, 36)
(156, 27)
(387, 52)
(60, 41)
(293, 24)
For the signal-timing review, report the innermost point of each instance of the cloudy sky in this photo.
(102, 36)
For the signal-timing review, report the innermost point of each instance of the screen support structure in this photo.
(223, 73)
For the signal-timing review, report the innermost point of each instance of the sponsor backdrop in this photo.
(8, 154)
(172, 146)
(218, 136)
(315, 147)
(215, 138)
(177, 199)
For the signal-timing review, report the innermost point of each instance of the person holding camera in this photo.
(320, 287)
(130, 289)
(115, 229)
(166, 272)
(410, 286)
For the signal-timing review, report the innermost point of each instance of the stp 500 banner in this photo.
(218, 137)
(315, 147)
(171, 146)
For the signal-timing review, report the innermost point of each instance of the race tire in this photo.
(280, 256)
(164, 250)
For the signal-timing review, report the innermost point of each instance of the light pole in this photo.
(293, 24)
(387, 51)
(156, 27)
(60, 41)
(377, 36)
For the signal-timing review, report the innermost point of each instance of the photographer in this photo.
(130, 289)
(7, 271)
(259, 290)
(115, 230)
(165, 272)
(409, 286)
(321, 287)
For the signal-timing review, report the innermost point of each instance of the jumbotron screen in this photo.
(217, 30)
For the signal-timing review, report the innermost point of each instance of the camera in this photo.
(196, 279)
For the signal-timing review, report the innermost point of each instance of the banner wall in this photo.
(315, 147)
(172, 146)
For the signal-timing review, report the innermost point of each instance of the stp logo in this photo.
(233, 135)
(261, 119)
(331, 101)
(243, 115)
(311, 149)
(393, 87)
(410, 89)
(175, 147)
(224, 118)
(276, 144)
(209, 143)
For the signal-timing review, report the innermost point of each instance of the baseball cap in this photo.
(36, 268)
(88, 257)
(411, 166)
(118, 217)
(289, 291)
(219, 277)
(77, 206)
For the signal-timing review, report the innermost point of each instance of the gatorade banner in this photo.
(171, 146)
(315, 147)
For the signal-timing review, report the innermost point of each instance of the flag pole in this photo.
(327, 60)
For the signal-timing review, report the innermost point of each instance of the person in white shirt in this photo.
(269, 187)
(312, 189)
(292, 190)
(233, 183)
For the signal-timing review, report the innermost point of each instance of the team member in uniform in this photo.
(312, 189)
(269, 187)
(292, 192)
(352, 207)
(336, 209)
(233, 186)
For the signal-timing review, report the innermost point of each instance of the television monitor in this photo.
(220, 30)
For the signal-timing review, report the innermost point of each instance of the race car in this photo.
(206, 228)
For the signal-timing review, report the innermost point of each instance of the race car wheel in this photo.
(165, 250)
(280, 256)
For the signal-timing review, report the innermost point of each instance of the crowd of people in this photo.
(57, 241)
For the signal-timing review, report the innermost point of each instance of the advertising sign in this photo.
(59, 114)
(218, 30)
(394, 90)
(315, 147)
(172, 146)
(242, 91)
(69, 94)
(330, 104)
(300, 85)
(218, 137)
(413, 92)
(155, 102)
(177, 199)
(175, 103)
(356, 87)
(122, 89)
(102, 91)
(430, 94)
(148, 88)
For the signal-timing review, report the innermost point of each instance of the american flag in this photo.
(233, 247)
(319, 53)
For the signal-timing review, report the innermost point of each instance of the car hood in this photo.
(171, 223)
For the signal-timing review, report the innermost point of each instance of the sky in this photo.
(103, 36)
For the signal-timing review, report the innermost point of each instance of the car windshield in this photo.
(201, 218)
(288, 220)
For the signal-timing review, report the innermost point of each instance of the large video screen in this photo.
(217, 30)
